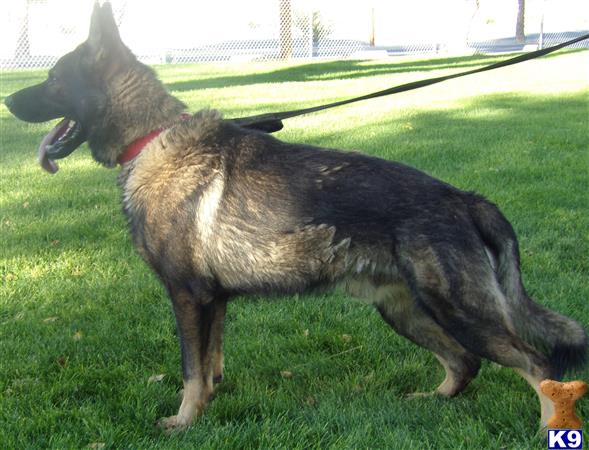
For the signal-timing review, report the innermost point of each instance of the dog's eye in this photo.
(52, 78)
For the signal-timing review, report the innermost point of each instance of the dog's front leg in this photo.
(193, 316)
(216, 339)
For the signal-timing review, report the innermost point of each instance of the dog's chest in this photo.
(171, 204)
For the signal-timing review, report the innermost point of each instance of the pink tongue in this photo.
(48, 164)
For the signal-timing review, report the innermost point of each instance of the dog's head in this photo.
(75, 89)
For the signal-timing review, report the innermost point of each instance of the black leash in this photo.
(271, 122)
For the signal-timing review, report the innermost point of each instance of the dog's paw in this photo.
(172, 423)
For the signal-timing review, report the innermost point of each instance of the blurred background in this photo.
(33, 33)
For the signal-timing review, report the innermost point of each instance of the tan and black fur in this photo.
(218, 210)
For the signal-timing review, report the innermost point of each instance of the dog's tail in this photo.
(562, 339)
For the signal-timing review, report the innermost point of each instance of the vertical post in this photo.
(285, 30)
(371, 36)
(310, 32)
(23, 45)
(541, 37)
(520, 35)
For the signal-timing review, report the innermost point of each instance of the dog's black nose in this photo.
(9, 101)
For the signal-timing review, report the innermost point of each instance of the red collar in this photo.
(135, 147)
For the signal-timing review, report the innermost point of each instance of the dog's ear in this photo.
(104, 40)
(103, 29)
(95, 22)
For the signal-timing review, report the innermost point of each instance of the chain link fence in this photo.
(34, 33)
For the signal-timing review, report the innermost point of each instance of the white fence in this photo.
(34, 33)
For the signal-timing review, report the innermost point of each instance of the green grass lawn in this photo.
(84, 324)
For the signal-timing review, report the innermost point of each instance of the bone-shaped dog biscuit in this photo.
(564, 396)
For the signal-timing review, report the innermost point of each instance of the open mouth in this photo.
(62, 140)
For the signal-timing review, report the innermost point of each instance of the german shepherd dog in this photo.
(219, 210)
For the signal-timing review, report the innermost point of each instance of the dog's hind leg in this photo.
(479, 316)
(493, 340)
(199, 333)
(407, 318)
